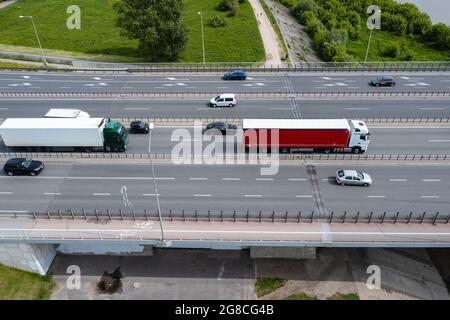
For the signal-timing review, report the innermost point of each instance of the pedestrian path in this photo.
(6, 3)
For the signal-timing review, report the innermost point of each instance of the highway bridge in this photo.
(232, 205)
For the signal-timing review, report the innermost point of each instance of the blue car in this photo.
(235, 75)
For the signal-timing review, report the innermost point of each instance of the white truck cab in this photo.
(359, 137)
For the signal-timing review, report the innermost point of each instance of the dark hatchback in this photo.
(221, 126)
(23, 166)
(235, 75)
(383, 81)
(139, 127)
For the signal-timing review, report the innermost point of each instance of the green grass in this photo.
(100, 40)
(266, 286)
(275, 27)
(10, 65)
(301, 296)
(20, 285)
(420, 50)
(239, 41)
(344, 296)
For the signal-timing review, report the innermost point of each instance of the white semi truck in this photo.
(61, 132)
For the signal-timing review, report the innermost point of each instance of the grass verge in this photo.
(301, 296)
(344, 296)
(21, 285)
(266, 286)
(100, 40)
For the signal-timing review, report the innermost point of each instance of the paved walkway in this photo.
(268, 35)
(6, 3)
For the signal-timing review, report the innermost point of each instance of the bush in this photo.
(233, 10)
(394, 23)
(440, 34)
(217, 22)
(303, 6)
(391, 50)
(225, 5)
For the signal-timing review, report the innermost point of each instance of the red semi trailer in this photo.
(321, 135)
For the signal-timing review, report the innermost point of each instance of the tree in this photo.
(440, 34)
(394, 23)
(157, 25)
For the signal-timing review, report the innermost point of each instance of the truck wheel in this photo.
(285, 150)
(32, 174)
(10, 173)
(356, 150)
(327, 151)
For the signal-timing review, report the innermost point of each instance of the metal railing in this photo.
(274, 216)
(243, 94)
(251, 157)
(411, 66)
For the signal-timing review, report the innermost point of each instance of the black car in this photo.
(24, 166)
(383, 81)
(221, 126)
(235, 75)
(139, 126)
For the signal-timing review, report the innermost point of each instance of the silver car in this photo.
(353, 178)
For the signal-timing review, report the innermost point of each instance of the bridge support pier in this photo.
(283, 252)
(35, 258)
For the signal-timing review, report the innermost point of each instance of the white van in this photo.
(223, 100)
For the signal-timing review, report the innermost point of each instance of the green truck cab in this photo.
(115, 136)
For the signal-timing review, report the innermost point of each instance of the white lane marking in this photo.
(303, 196)
(253, 196)
(264, 179)
(398, 180)
(13, 211)
(198, 179)
(297, 179)
(231, 179)
(432, 108)
(280, 109)
(202, 195)
(150, 194)
(354, 87)
(357, 108)
(376, 196)
(88, 178)
(136, 108)
(431, 180)
(6, 192)
(52, 193)
(438, 140)
(101, 194)
(429, 197)
(64, 87)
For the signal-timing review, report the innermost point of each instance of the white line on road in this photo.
(253, 196)
(198, 179)
(150, 194)
(264, 179)
(202, 195)
(3, 109)
(429, 197)
(432, 108)
(398, 180)
(52, 193)
(231, 179)
(303, 196)
(297, 179)
(431, 180)
(376, 196)
(101, 194)
(438, 140)
(6, 192)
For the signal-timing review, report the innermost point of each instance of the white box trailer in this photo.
(66, 113)
(48, 132)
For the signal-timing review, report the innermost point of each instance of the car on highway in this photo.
(223, 100)
(235, 75)
(353, 178)
(383, 81)
(23, 166)
(222, 127)
(139, 126)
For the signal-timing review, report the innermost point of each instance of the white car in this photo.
(223, 100)
(353, 178)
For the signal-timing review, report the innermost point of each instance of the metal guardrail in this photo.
(188, 94)
(274, 216)
(228, 157)
(411, 66)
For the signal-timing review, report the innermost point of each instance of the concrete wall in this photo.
(29, 257)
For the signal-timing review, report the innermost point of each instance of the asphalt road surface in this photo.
(251, 108)
(75, 82)
(402, 188)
